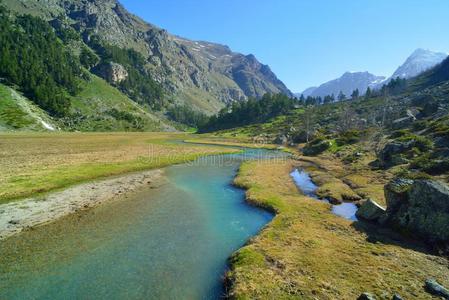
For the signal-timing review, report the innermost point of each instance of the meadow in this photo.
(307, 252)
(34, 163)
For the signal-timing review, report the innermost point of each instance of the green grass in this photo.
(97, 98)
(39, 163)
(18, 112)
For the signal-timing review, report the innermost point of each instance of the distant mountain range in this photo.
(347, 83)
(418, 62)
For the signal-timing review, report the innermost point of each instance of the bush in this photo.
(317, 146)
(431, 165)
(349, 137)
(422, 143)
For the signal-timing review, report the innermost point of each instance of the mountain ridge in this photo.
(346, 83)
(186, 69)
(418, 62)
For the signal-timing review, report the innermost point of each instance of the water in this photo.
(303, 181)
(346, 210)
(167, 243)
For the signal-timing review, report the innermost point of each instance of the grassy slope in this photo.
(19, 113)
(38, 163)
(97, 97)
(306, 252)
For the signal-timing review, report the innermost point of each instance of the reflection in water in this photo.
(303, 181)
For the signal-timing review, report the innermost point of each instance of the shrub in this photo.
(317, 146)
(349, 137)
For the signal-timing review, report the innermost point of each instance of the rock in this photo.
(370, 211)
(396, 297)
(391, 153)
(366, 296)
(396, 193)
(281, 140)
(112, 72)
(14, 222)
(403, 122)
(419, 207)
(315, 148)
(437, 289)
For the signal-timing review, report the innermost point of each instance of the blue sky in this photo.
(309, 42)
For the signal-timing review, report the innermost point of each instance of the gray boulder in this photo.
(437, 289)
(366, 296)
(403, 122)
(281, 140)
(370, 211)
(390, 155)
(112, 72)
(420, 207)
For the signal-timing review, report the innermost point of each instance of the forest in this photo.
(249, 112)
(33, 58)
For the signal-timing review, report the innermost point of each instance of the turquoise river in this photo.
(171, 242)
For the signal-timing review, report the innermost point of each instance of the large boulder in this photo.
(366, 296)
(391, 154)
(436, 289)
(370, 210)
(403, 122)
(112, 72)
(419, 207)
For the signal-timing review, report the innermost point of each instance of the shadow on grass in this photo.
(385, 235)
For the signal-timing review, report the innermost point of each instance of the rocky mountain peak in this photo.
(185, 68)
(419, 61)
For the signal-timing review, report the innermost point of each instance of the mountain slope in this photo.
(19, 113)
(419, 61)
(347, 83)
(185, 68)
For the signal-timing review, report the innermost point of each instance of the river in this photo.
(172, 242)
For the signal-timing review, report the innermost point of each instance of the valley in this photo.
(137, 163)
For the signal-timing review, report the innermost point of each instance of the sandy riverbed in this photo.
(24, 214)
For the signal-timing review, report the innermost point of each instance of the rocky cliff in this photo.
(206, 75)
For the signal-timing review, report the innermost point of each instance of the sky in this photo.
(307, 43)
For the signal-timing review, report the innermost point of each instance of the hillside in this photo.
(406, 132)
(202, 74)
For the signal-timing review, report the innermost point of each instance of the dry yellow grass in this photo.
(37, 163)
(306, 252)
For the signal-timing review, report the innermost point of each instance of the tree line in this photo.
(249, 112)
(33, 58)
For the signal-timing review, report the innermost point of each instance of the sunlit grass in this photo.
(306, 252)
(38, 163)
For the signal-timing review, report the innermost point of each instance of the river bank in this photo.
(28, 213)
(308, 252)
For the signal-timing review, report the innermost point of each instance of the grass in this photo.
(97, 98)
(306, 252)
(41, 162)
(232, 142)
(18, 112)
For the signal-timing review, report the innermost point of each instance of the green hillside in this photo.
(19, 113)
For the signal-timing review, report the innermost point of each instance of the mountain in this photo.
(347, 83)
(307, 92)
(200, 74)
(419, 61)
